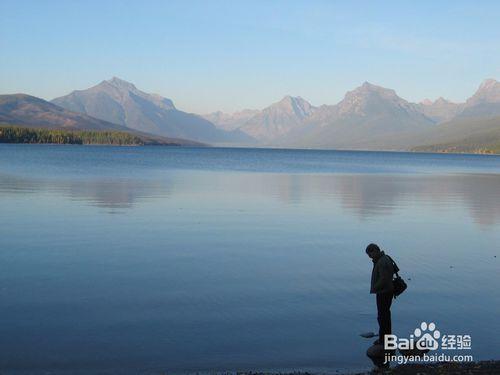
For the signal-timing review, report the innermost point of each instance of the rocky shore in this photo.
(482, 367)
(446, 368)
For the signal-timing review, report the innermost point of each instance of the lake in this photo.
(154, 259)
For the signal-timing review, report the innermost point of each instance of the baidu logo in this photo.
(426, 337)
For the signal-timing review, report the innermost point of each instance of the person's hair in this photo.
(372, 248)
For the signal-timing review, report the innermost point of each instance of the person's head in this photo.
(373, 251)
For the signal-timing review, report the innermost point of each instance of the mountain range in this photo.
(120, 102)
(30, 111)
(369, 117)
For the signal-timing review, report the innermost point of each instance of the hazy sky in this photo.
(210, 55)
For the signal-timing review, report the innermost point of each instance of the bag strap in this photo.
(396, 268)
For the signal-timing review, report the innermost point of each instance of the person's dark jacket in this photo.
(382, 275)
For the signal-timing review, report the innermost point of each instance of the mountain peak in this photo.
(438, 102)
(485, 102)
(117, 80)
(120, 89)
(488, 92)
(120, 102)
(368, 87)
(120, 83)
(291, 99)
(293, 104)
(372, 100)
(488, 84)
(441, 100)
(278, 119)
(440, 109)
(369, 90)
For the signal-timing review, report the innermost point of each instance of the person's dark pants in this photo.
(384, 301)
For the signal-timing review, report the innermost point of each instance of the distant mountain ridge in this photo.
(367, 111)
(231, 121)
(462, 135)
(29, 111)
(269, 123)
(120, 102)
(441, 109)
(485, 102)
(369, 117)
(370, 100)
(365, 118)
(278, 119)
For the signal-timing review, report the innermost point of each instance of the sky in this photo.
(230, 55)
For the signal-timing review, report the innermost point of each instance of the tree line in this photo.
(17, 134)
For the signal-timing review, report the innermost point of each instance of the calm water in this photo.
(175, 259)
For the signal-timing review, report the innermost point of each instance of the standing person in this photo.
(381, 285)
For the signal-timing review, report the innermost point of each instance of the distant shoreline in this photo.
(14, 134)
(437, 149)
(437, 152)
(19, 134)
(411, 151)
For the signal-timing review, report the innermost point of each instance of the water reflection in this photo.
(365, 196)
(277, 259)
(108, 193)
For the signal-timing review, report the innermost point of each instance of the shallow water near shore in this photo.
(150, 259)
